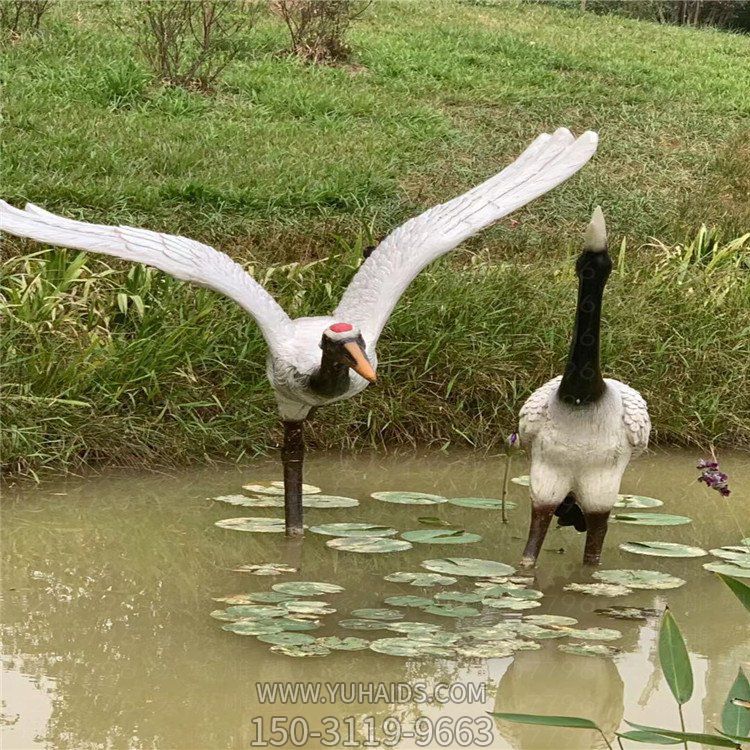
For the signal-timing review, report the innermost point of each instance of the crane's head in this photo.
(343, 343)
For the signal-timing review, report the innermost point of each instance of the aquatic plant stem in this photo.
(506, 479)
(682, 723)
(606, 741)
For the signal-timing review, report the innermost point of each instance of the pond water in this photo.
(108, 583)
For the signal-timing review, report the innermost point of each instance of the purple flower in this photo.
(712, 477)
(707, 463)
(513, 440)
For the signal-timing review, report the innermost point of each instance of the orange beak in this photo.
(361, 364)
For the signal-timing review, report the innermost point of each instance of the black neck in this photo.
(582, 383)
(331, 378)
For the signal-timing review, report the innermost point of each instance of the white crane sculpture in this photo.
(319, 360)
(583, 429)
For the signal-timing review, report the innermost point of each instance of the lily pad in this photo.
(484, 503)
(258, 525)
(307, 588)
(353, 529)
(447, 610)
(497, 650)
(414, 629)
(254, 612)
(635, 502)
(408, 647)
(252, 627)
(408, 601)
(588, 649)
(524, 480)
(287, 639)
(363, 624)
(517, 592)
(508, 602)
(593, 634)
(651, 519)
(728, 569)
(598, 589)
(297, 624)
(305, 649)
(277, 488)
(423, 580)
(639, 579)
(550, 620)
(343, 644)
(458, 596)
(368, 544)
(438, 638)
(378, 614)
(440, 536)
(266, 569)
(738, 554)
(260, 597)
(491, 634)
(662, 549)
(468, 566)
(221, 614)
(329, 501)
(628, 613)
(409, 498)
(252, 502)
(308, 608)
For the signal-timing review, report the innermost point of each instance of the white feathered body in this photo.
(298, 356)
(582, 450)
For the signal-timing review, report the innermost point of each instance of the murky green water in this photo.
(108, 581)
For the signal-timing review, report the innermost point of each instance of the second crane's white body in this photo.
(583, 451)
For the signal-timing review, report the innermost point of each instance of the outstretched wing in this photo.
(383, 277)
(178, 256)
(533, 413)
(635, 418)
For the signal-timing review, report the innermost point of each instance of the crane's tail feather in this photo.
(569, 513)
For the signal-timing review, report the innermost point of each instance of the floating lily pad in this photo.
(254, 612)
(368, 544)
(497, 650)
(296, 623)
(447, 610)
(409, 498)
(258, 525)
(329, 501)
(414, 629)
(524, 480)
(598, 589)
(530, 630)
(550, 620)
(517, 592)
(662, 549)
(651, 519)
(378, 614)
(259, 597)
(508, 602)
(408, 601)
(353, 529)
(305, 649)
(484, 503)
(637, 501)
(593, 634)
(424, 580)
(252, 502)
(287, 639)
(468, 566)
(728, 569)
(435, 521)
(745, 542)
(308, 608)
(639, 579)
(588, 649)
(307, 588)
(458, 596)
(253, 627)
(440, 536)
(277, 488)
(408, 647)
(628, 613)
(343, 644)
(363, 624)
(266, 569)
(221, 614)
(437, 639)
(491, 634)
(738, 554)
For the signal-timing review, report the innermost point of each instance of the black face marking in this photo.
(332, 377)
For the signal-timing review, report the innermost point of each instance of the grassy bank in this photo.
(289, 164)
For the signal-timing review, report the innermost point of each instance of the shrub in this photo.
(190, 42)
(317, 28)
(19, 16)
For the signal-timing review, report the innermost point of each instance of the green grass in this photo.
(285, 163)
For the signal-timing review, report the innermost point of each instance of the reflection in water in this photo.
(107, 589)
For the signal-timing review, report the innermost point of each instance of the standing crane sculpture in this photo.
(316, 361)
(583, 429)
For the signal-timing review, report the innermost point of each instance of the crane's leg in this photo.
(541, 515)
(292, 456)
(596, 530)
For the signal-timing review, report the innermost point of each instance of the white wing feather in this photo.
(533, 413)
(383, 277)
(178, 256)
(635, 418)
